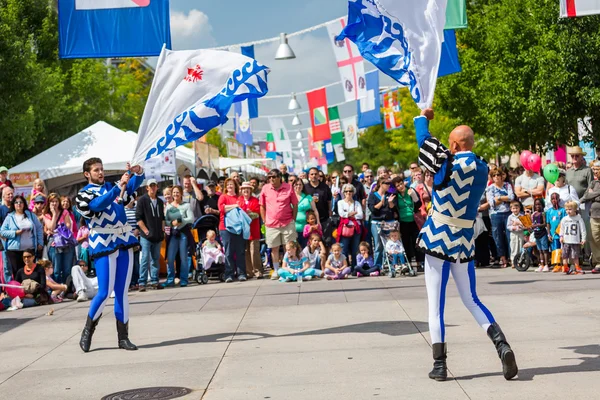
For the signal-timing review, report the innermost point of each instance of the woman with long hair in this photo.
(61, 255)
(408, 204)
(179, 217)
(383, 207)
(305, 203)
(234, 244)
(499, 195)
(22, 230)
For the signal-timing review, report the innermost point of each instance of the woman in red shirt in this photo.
(234, 244)
(251, 206)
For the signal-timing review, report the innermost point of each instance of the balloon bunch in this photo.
(531, 161)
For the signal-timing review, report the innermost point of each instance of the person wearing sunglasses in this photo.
(382, 206)
(22, 230)
(448, 237)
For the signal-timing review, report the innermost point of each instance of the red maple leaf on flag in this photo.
(194, 74)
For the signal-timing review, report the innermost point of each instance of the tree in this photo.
(527, 75)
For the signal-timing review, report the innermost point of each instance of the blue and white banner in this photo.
(192, 93)
(369, 108)
(248, 51)
(328, 150)
(243, 127)
(449, 62)
(112, 28)
(402, 38)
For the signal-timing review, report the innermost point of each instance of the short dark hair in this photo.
(275, 172)
(367, 164)
(87, 164)
(313, 168)
(348, 165)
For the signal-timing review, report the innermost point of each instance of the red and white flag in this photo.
(319, 114)
(349, 61)
(578, 8)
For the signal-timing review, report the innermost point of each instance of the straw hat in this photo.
(577, 150)
(246, 185)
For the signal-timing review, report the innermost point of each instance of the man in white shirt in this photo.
(528, 186)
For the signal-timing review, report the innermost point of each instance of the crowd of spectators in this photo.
(297, 226)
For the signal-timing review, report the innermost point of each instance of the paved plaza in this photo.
(355, 339)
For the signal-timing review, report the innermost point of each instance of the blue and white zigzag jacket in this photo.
(459, 182)
(105, 216)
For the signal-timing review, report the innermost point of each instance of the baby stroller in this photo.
(217, 269)
(388, 266)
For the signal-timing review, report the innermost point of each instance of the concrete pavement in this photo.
(354, 339)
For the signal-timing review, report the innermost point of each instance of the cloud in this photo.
(191, 31)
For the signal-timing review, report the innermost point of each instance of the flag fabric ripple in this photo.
(191, 93)
(402, 38)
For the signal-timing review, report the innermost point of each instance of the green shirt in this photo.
(406, 207)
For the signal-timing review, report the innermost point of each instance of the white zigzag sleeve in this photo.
(82, 203)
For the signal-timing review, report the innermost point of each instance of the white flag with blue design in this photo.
(402, 38)
(191, 93)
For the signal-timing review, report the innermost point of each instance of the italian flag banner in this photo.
(271, 149)
(319, 118)
(335, 126)
(578, 8)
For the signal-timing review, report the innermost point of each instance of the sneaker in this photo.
(177, 280)
(56, 299)
(376, 273)
(579, 271)
(557, 268)
(16, 303)
(274, 275)
(596, 270)
(329, 277)
(545, 269)
(81, 296)
(142, 288)
(229, 280)
(358, 274)
(566, 270)
(539, 269)
(242, 278)
(307, 278)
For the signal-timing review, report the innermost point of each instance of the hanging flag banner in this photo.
(369, 112)
(213, 152)
(449, 63)
(271, 149)
(350, 132)
(349, 62)
(287, 159)
(202, 154)
(319, 119)
(192, 93)
(234, 149)
(339, 152)
(112, 28)
(335, 126)
(248, 51)
(315, 149)
(579, 8)
(243, 132)
(456, 14)
(329, 153)
(402, 38)
(391, 109)
(280, 134)
(586, 141)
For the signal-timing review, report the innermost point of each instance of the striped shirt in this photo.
(131, 220)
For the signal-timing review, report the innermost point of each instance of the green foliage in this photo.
(527, 75)
(45, 100)
(214, 137)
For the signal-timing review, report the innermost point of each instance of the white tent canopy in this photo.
(225, 163)
(61, 165)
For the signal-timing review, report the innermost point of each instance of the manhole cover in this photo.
(151, 393)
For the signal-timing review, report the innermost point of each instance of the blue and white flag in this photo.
(192, 93)
(243, 129)
(449, 62)
(369, 107)
(112, 28)
(402, 38)
(248, 51)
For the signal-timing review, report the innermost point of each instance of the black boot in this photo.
(509, 364)
(439, 371)
(86, 335)
(123, 334)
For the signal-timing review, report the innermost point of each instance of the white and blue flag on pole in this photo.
(243, 127)
(192, 93)
(402, 38)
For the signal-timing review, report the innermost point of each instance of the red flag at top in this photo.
(319, 116)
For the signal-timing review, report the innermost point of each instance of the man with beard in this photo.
(111, 244)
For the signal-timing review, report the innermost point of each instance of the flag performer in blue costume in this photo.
(111, 244)
(447, 237)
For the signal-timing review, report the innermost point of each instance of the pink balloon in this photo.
(535, 163)
(525, 159)
(15, 292)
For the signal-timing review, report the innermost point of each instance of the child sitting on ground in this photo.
(364, 261)
(294, 265)
(572, 237)
(211, 250)
(315, 252)
(395, 248)
(336, 266)
(516, 228)
(312, 225)
(553, 217)
(57, 290)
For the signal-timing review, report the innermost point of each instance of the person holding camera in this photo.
(178, 216)
(383, 208)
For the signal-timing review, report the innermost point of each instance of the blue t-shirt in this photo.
(295, 264)
(553, 218)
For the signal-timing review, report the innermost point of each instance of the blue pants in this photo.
(62, 262)
(114, 273)
(350, 248)
(150, 260)
(176, 244)
(500, 233)
(283, 274)
(398, 259)
(235, 253)
(437, 273)
(377, 245)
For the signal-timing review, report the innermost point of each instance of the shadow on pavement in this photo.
(588, 364)
(8, 324)
(390, 328)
